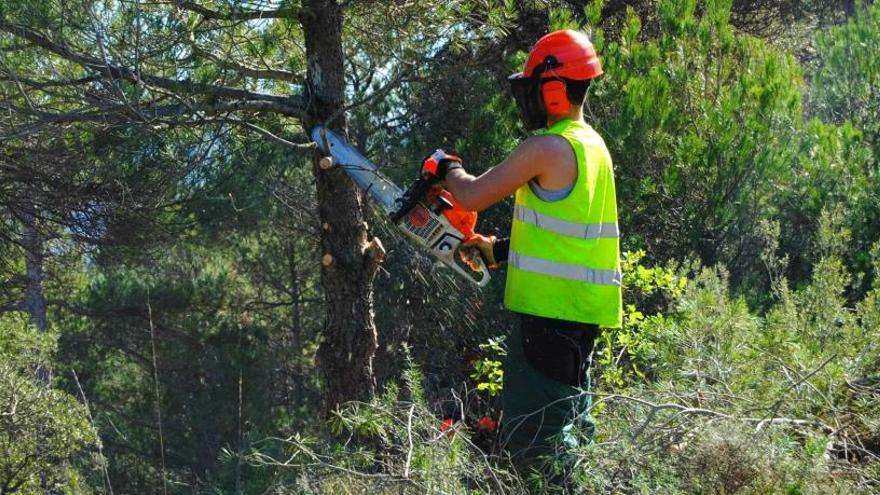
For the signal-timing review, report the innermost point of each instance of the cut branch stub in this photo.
(327, 259)
(374, 254)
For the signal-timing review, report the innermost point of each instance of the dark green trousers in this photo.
(543, 418)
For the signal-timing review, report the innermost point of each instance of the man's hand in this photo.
(478, 245)
(438, 164)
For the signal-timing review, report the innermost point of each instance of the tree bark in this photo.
(295, 296)
(350, 341)
(851, 7)
(34, 298)
(35, 303)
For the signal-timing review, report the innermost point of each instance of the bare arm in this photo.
(539, 156)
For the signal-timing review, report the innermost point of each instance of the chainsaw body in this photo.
(427, 215)
(438, 224)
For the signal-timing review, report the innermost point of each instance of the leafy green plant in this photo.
(44, 432)
(390, 444)
(487, 371)
(621, 352)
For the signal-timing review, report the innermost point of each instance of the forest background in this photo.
(171, 322)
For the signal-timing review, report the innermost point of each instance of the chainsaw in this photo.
(425, 213)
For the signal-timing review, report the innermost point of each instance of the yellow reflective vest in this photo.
(564, 259)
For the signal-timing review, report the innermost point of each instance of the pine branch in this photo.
(292, 106)
(145, 114)
(236, 14)
(10, 307)
(248, 71)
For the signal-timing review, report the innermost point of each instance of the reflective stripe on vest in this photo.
(564, 270)
(564, 227)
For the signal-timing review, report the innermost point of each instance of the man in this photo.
(563, 273)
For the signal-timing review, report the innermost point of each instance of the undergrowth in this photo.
(706, 398)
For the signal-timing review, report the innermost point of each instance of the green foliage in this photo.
(391, 445)
(845, 91)
(593, 12)
(487, 371)
(563, 19)
(214, 363)
(846, 79)
(734, 403)
(622, 353)
(737, 402)
(705, 126)
(758, 374)
(45, 433)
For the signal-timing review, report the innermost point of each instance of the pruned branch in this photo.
(269, 134)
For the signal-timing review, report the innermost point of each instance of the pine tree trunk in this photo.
(349, 338)
(850, 7)
(34, 298)
(295, 296)
(35, 302)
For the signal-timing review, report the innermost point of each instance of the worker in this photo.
(563, 275)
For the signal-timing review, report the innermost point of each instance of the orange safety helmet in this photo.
(540, 89)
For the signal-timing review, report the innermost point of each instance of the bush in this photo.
(45, 434)
(745, 403)
(391, 444)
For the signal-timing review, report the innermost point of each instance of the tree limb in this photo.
(256, 72)
(7, 308)
(32, 83)
(235, 14)
(121, 114)
(292, 106)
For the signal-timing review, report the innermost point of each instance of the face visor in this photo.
(527, 93)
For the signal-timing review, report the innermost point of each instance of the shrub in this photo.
(45, 434)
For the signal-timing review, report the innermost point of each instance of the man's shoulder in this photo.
(593, 141)
(550, 148)
(549, 143)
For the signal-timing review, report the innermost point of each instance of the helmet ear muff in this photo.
(555, 97)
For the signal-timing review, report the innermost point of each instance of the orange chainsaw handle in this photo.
(463, 220)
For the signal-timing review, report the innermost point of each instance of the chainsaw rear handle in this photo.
(482, 268)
